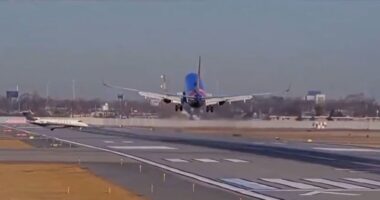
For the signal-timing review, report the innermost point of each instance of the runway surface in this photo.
(243, 167)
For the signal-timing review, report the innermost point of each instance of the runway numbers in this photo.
(206, 160)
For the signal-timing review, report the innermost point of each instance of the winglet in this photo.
(119, 87)
(29, 115)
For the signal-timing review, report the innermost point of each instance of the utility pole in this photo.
(18, 99)
(73, 100)
(47, 95)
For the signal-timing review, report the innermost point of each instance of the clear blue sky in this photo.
(247, 46)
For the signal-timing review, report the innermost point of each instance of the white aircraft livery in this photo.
(53, 123)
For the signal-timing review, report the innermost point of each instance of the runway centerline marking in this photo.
(206, 160)
(235, 160)
(176, 160)
(127, 142)
(109, 142)
(142, 147)
(335, 183)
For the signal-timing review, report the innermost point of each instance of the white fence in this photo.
(174, 123)
(177, 123)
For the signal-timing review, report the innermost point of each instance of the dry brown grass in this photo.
(13, 144)
(52, 181)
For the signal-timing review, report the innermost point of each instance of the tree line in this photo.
(352, 105)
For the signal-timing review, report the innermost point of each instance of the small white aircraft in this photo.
(53, 123)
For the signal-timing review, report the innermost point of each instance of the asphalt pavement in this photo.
(234, 167)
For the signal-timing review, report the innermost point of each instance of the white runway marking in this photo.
(347, 149)
(127, 142)
(206, 160)
(109, 142)
(292, 184)
(335, 183)
(142, 147)
(177, 171)
(248, 184)
(235, 160)
(176, 160)
(363, 180)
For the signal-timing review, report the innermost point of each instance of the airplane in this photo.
(53, 123)
(194, 94)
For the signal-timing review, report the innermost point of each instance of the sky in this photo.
(246, 46)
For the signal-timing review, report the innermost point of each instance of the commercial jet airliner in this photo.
(193, 95)
(53, 123)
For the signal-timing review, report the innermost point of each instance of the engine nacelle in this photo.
(167, 101)
(221, 103)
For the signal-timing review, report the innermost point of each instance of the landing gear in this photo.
(210, 109)
(178, 108)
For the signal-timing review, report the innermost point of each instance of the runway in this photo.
(269, 170)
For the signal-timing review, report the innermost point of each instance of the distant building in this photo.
(356, 97)
(316, 97)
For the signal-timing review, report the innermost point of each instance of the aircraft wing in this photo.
(167, 98)
(222, 100)
(230, 99)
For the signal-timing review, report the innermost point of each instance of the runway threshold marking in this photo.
(363, 180)
(292, 184)
(142, 147)
(178, 172)
(335, 183)
(248, 184)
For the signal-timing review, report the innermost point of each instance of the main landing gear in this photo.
(209, 109)
(178, 108)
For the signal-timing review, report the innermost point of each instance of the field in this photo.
(56, 181)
